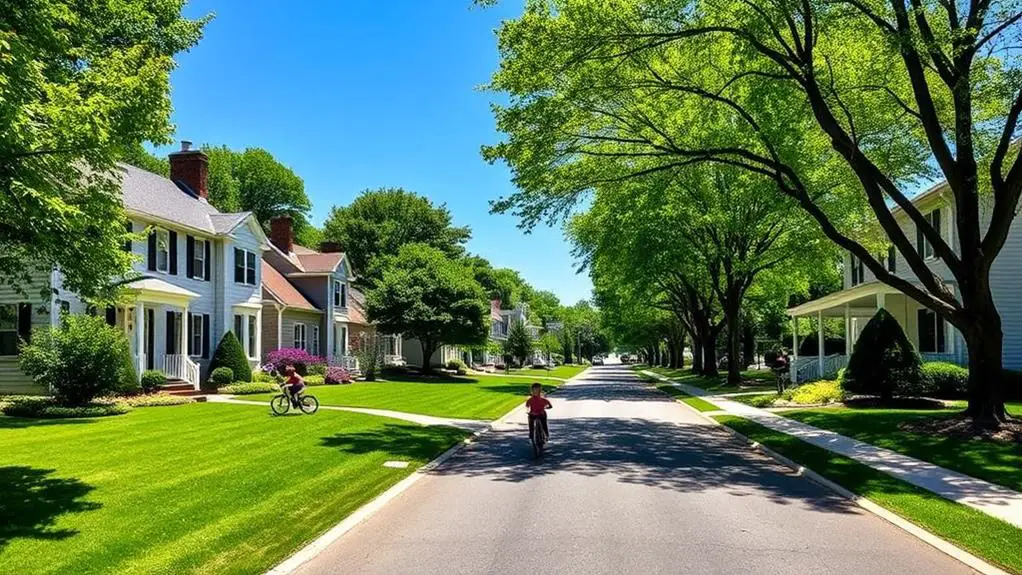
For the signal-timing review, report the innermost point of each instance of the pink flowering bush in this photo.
(336, 374)
(301, 359)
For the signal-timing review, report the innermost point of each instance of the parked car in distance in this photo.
(598, 360)
(625, 358)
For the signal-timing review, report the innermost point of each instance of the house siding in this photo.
(12, 379)
(291, 317)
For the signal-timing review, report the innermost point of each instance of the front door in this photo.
(150, 340)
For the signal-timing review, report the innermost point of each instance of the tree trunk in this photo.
(697, 355)
(428, 348)
(748, 344)
(734, 343)
(710, 356)
(984, 339)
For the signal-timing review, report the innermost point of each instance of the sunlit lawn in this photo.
(471, 397)
(698, 403)
(201, 488)
(755, 380)
(561, 371)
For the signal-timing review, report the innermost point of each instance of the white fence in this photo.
(182, 367)
(807, 368)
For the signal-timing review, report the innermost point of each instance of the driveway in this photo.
(634, 483)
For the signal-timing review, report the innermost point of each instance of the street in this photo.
(634, 482)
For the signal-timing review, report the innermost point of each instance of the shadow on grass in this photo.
(8, 422)
(396, 440)
(427, 379)
(31, 501)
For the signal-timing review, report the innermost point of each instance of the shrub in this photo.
(315, 379)
(336, 375)
(316, 369)
(48, 407)
(221, 377)
(946, 380)
(80, 360)
(249, 388)
(263, 377)
(230, 354)
(368, 350)
(394, 370)
(883, 362)
(823, 391)
(458, 366)
(152, 381)
(301, 359)
(156, 400)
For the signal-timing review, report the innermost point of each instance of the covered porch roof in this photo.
(155, 290)
(860, 300)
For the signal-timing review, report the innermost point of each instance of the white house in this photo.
(200, 276)
(934, 338)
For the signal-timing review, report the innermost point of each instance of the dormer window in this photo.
(340, 294)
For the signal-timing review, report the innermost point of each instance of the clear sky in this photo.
(356, 94)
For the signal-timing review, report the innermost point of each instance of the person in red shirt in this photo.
(295, 383)
(538, 405)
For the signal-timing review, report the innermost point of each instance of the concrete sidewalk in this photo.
(992, 499)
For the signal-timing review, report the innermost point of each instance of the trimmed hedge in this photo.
(883, 362)
(49, 408)
(156, 400)
(229, 353)
(152, 381)
(221, 377)
(248, 388)
(946, 380)
(263, 377)
(315, 380)
(457, 366)
(823, 391)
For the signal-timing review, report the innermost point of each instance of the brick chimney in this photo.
(330, 247)
(191, 168)
(282, 233)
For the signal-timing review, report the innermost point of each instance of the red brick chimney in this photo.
(282, 234)
(191, 168)
(330, 247)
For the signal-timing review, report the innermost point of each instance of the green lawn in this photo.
(472, 397)
(993, 461)
(561, 371)
(758, 400)
(698, 403)
(989, 538)
(754, 380)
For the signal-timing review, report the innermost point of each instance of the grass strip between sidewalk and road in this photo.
(698, 403)
(991, 539)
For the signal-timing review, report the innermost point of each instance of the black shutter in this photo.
(173, 253)
(940, 334)
(170, 333)
(152, 251)
(208, 257)
(190, 256)
(191, 340)
(111, 315)
(250, 268)
(25, 321)
(127, 243)
(205, 336)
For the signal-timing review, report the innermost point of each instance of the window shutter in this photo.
(206, 260)
(111, 316)
(173, 253)
(940, 334)
(191, 340)
(250, 268)
(170, 333)
(205, 336)
(152, 251)
(189, 256)
(127, 243)
(25, 321)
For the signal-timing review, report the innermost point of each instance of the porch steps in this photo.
(179, 387)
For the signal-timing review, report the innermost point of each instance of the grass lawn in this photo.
(471, 397)
(697, 402)
(201, 488)
(989, 538)
(758, 400)
(993, 461)
(561, 371)
(754, 380)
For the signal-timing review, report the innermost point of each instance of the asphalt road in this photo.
(633, 483)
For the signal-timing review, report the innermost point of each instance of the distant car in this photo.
(597, 360)
(625, 358)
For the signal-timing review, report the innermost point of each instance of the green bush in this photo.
(80, 360)
(220, 377)
(946, 380)
(316, 369)
(823, 391)
(230, 354)
(156, 400)
(458, 366)
(263, 377)
(883, 361)
(48, 407)
(249, 388)
(315, 379)
(152, 381)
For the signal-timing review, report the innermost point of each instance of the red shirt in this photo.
(294, 379)
(537, 404)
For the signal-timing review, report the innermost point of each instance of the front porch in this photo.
(162, 333)
(930, 335)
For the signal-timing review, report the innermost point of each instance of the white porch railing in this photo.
(393, 359)
(808, 367)
(182, 367)
(348, 362)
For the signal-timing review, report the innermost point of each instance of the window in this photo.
(925, 247)
(315, 340)
(195, 336)
(252, 351)
(162, 251)
(892, 259)
(8, 329)
(244, 267)
(858, 271)
(300, 340)
(931, 332)
(239, 322)
(198, 260)
(340, 294)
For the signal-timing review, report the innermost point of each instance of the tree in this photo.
(423, 294)
(883, 362)
(843, 105)
(380, 222)
(81, 83)
(136, 155)
(224, 186)
(519, 343)
(230, 354)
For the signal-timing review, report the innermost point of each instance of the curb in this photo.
(946, 547)
(311, 550)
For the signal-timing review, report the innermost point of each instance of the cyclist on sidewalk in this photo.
(538, 405)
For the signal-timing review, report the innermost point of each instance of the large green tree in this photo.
(424, 294)
(80, 82)
(845, 105)
(379, 222)
(519, 343)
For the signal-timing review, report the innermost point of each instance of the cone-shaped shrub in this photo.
(883, 361)
(229, 354)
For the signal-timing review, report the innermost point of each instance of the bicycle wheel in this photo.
(309, 404)
(537, 441)
(280, 404)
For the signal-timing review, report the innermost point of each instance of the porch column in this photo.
(819, 340)
(258, 351)
(848, 331)
(139, 338)
(184, 331)
(793, 368)
(280, 327)
(881, 300)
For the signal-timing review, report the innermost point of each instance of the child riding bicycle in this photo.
(538, 405)
(294, 383)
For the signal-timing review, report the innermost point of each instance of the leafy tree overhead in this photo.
(224, 186)
(422, 293)
(379, 222)
(136, 155)
(81, 83)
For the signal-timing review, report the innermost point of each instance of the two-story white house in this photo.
(862, 295)
(199, 277)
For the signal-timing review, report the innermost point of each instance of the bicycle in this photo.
(538, 438)
(281, 404)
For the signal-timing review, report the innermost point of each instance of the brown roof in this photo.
(282, 290)
(302, 250)
(314, 262)
(357, 307)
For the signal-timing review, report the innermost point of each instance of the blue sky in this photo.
(356, 94)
